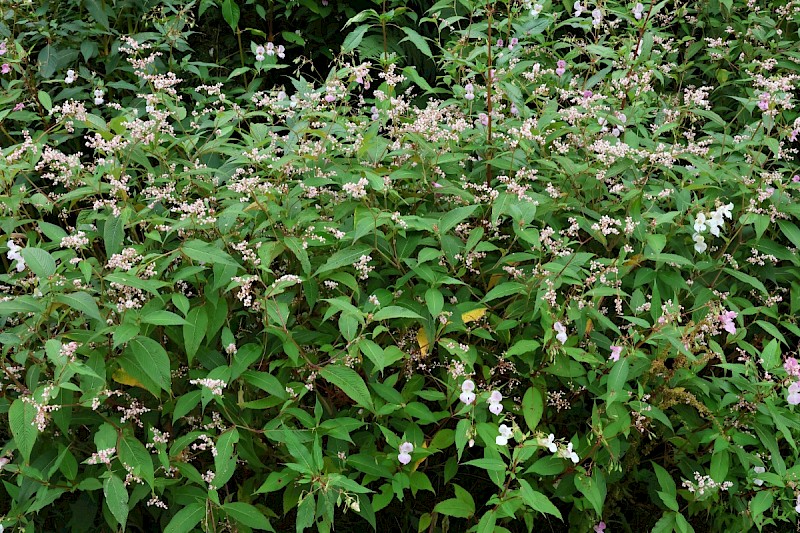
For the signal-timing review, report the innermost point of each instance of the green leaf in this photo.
(80, 301)
(45, 100)
(344, 257)
(194, 331)
(454, 217)
(230, 12)
(146, 361)
(617, 378)
(593, 488)
(536, 500)
(455, 507)
(532, 407)
(207, 253)
(134, 454)
(95, 9)
(504, 290)
(114, 233)
(163, 318)
(185, 519)
(418, 40)
(294, 244)
(248, 515)
(116, 497)
(20, 420)
(350, 382)
(746, 278)
(39, 261)
(354, 38)
(395, 311)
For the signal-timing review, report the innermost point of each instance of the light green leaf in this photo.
(354, 38)
(395, 311)
(163, 318)
(194, 331)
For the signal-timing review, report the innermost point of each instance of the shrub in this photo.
(560, 284)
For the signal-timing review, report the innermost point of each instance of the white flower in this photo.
(98, 97)
(468, 386)
(725, 210)
(494, 402)
(637, 11)
(715, 222)
(405, 453)
(561, 332)
(548, 443)
(759, 470)
(70, 77)
(578, 8)
(13, 254)
(797, 507)
(597, 17)
(700, 245)
(567, 453)
(505, 434)
(700, 223)
(496, 408)
(467, 397)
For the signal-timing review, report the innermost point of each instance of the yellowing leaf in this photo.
(120, 376)
(494, 280)
(422, 340)
(475, 314)
(416, 465)
(589, 328)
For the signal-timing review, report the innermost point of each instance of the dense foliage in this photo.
(463, 266)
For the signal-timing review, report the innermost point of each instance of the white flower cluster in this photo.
(711, 222)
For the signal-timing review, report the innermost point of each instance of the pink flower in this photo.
(793, 135)
(616, 351)
(792, 367)
(561, 67)
(484, 118)
(794, 393)
(19, 106)
(599, 528)
(726, 319)
(5, 69)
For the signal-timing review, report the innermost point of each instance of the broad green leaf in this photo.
(230, 12)
(114, 233)
(116, 497)
(248, 515)
(20, 420)
(348, 256)
(354, 38)
(146, 361)
(395, 311)
(455, 507)
(163, 318)
(80, 301)
(134, 454)
(207, 253)
(39, 261)
(186, 519)
(350, 382)
(194, 331)
(417, 39)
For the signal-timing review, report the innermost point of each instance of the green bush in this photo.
(549, 282)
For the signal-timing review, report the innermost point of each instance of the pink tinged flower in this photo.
(19, 106)
(505, 434)
(578, 8)
(726, 319)
(561, 332)
(794, 393)
(495, 397)
(514, 42)
(793, 135)
(561, 67)
(467, 397)
(792, 367)
(5, 69)
(514, 111)
(329, 98)
(638, 9)
(616, 351)
(500, 43)
(496, 408)
(484, 118)
(3, 48)
(587, 93)
(601, 527)
(468, 386)
(405, 453)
